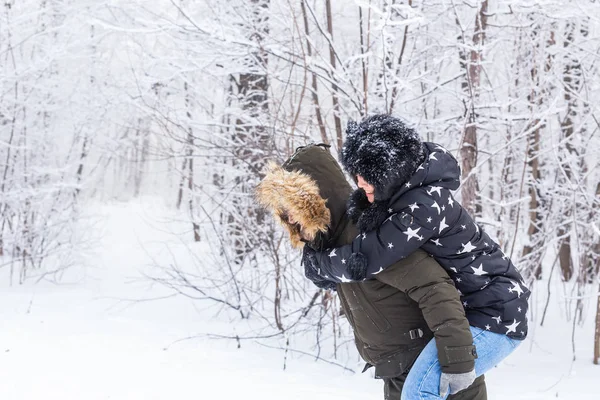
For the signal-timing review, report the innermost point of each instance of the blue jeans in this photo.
(423, 380)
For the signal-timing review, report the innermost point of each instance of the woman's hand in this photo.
(311, 269)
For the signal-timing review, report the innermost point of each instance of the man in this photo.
(393, 316)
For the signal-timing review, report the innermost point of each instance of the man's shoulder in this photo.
(403, 273)
(416, 258)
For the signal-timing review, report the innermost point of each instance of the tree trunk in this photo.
(82, 157)
(468, 150)
(396, 89)
(572, 87)
(533, 150)
(190, 162)
(182, 183)
(190, 179)
(536, 99)
(591, 255)
(597, 332)
(334, 87)
(364, 64)
(315, 88)
(253, 144)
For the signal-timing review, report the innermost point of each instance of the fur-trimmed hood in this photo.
(309, 189)
(294, 195)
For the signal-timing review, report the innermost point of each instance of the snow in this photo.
(87, 338)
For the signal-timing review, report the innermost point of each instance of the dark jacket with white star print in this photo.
(423, 214)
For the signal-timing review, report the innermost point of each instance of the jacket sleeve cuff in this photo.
(457, 360)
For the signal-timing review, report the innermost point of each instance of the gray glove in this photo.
(456, 382)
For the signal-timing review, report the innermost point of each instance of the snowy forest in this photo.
(188, 100)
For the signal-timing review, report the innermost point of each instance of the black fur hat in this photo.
(384, 151)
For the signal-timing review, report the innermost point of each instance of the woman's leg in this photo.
(423, 381)
(392, 388)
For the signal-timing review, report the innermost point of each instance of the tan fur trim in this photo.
(296, 194)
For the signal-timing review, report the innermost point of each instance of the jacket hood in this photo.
(309, 188)
(389, 155)
(440, 169)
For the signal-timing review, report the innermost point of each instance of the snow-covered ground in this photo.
(90, 337)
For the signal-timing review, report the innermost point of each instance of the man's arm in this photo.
(426, 282)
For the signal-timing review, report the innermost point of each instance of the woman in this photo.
(404, 203)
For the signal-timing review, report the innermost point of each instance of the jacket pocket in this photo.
(371, 312)
(397, 363)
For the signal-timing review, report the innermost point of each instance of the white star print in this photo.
(343, 261)
(343, 279)
(412, 233)
(432, 157)
(479, 271)
(516, 288)
(436, 189)
(464, 227)
(473, 257)
(380, 269)
(459, 292)
(408, 185)
(454, 269)
(476, 227)
(443, 224)
(486, 244)
(498, 319)
(504, 257)
(458, 280)
(519, 309)
(436, 205)
(437, 242)
(450, 202)
(420, 167)
(390, 246)
(390, 210)
(332, 254)
(512, 327)
(487, 327)
(440, 148)
(364, 235)
(413, 206)
(429, 219)
(467, 248)
(465, 304)
(390, 217)
(443, 208)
